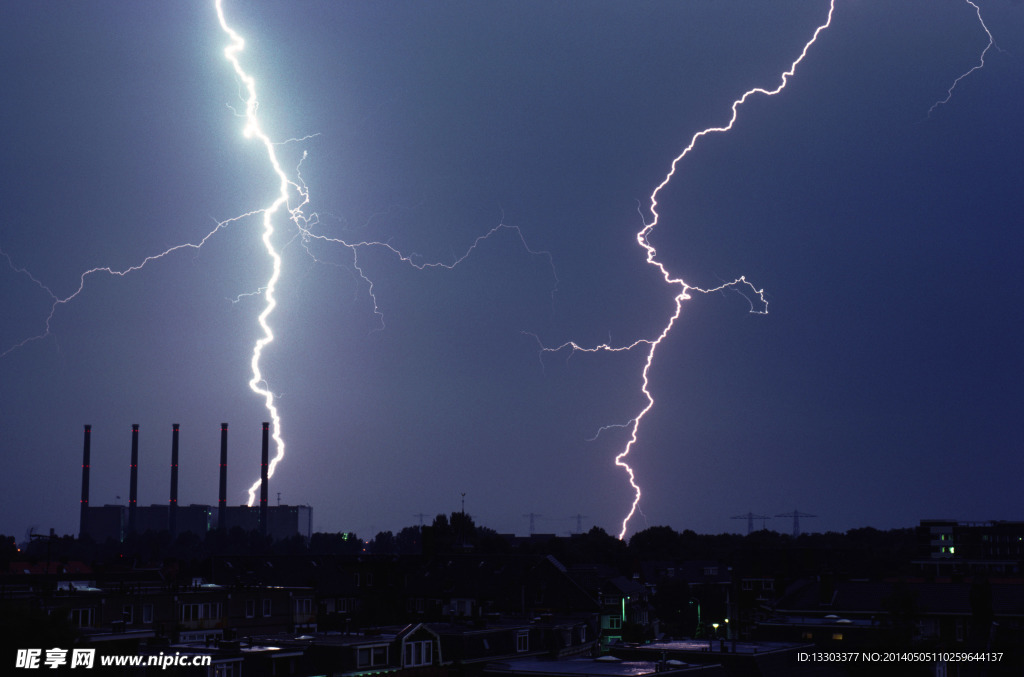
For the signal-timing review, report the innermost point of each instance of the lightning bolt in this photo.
(740, 284)
(981, 60)
(305, 224)
(292, 198)
(59, 301)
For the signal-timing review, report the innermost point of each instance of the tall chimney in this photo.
(133, 488)
(172, 507)
(222, 502)
(263, 478)
(83, 520)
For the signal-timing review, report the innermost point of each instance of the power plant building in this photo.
(117, 522)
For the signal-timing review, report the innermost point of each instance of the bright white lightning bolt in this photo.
(981, 60)
(304, 224)
(254, 130)
(684, 288)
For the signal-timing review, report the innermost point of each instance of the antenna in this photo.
(532, 516)
(750, 517)
(796, 515)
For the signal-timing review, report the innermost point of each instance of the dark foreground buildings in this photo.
(540, 606)
(229, 591)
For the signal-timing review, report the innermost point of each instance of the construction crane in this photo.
(796, 515)
(750, 517)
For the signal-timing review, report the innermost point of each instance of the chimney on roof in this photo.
(83, 519)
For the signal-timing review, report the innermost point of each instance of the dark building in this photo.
(117, 522)
(106, 522)
(950, 547)
(283, 521)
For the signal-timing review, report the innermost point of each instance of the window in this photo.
(614, 622)
(768, 585)
(303, 606)
(147, 613)
(583, 634)
(267, 607)
(196, 612)
(710, 571)
(418, 653)
(522, 641)
(748, 585)
(204, 636)
(837, 636)
(372, 656)
(128, 614)
(82, 618)
(250, 608)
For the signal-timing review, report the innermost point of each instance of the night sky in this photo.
(883, 386)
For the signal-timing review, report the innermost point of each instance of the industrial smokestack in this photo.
(133, 489)
(263, 478)
(83, 519)
(222, 501)
(172, 508)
